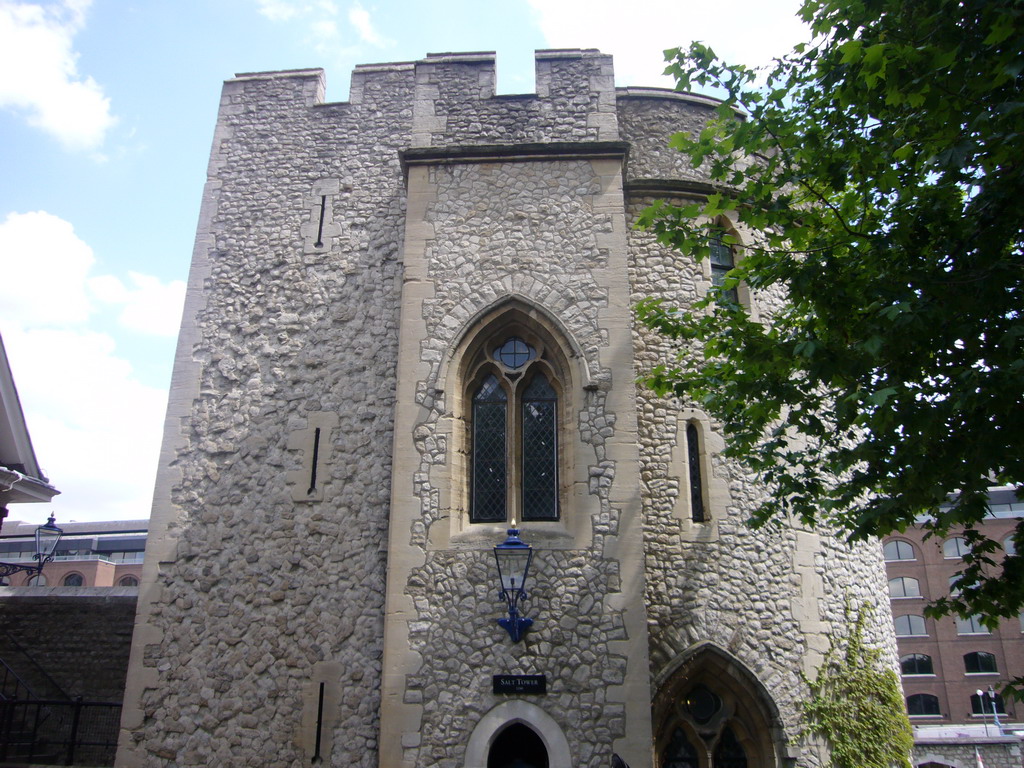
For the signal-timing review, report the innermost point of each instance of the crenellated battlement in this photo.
(448, 100)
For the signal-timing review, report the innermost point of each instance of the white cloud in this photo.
(359, 18)
(149, 306)
(278, 10)
(95, 426)
(44, 267)
(39, 73)
(746, 31)
(326, 23)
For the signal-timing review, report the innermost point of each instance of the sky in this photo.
(107, 110)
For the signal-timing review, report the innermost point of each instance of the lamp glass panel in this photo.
(513, 565)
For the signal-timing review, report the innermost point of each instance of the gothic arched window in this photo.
(723, 259)
(514, 434)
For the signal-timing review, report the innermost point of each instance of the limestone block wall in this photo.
(264, 574)
(546, 236)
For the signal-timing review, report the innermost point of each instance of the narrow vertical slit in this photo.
(320, 230)
(319, 722)
(316, 458)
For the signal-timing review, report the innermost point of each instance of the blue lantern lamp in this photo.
(513, 557)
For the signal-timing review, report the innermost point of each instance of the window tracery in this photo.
(514, 430)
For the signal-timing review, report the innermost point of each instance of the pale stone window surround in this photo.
(747, 705)
(319, 231)
(511, 712)
(308, 481)
(728, 228)
(568, 375)
(715, 489)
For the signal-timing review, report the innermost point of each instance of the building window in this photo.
(904, 586)
(916, 664)
(983, 705)
(679, 753)
(897, 549)
(970, 625)
(1009, 545)
(923, 704)
(696, 468)
(73, 580)
(128, 581)
(980, 663)
(955, 548)
(514, 436)
(723, 260)
(910, 625)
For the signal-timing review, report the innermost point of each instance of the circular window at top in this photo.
(514, 353)
(74, 580)
(703, 704)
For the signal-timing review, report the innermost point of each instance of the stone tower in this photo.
(409, 322)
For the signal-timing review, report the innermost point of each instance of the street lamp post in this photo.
(47, 536)
(984, 714)
(513, 557)
(995, 711)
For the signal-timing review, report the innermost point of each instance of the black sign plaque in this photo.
(520, 684)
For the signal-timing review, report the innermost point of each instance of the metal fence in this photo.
(58, 732)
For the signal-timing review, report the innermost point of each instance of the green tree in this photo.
(856, 704)
(880, 170)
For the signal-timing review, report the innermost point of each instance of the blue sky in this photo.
(107, 109)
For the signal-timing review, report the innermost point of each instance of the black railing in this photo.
(11, 684)
(59, 732)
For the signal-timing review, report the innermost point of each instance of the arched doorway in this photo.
(712, 713)
(517, 746)
(517, 730)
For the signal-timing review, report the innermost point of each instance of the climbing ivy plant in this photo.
(856, 703)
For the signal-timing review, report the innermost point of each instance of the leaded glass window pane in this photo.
(729, 752)
(490, 405)
(515, 353)
(721, 262)
(680, 752)
(540, 450)
(696, 476)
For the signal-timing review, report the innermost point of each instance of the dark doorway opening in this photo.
(518, 746)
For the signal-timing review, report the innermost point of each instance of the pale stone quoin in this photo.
(319, 585)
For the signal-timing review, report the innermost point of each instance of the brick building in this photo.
(944, 662)
(103, 554)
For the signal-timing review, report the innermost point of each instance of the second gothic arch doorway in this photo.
(712, 713)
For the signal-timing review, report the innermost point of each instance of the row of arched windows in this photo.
(75, 579)
(913, 625)
(954, 548)
(975, 663)
(927, 705)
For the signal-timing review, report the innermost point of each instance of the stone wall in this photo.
(265, 569)
(80, 636)
(313, 588)
(963, 753)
